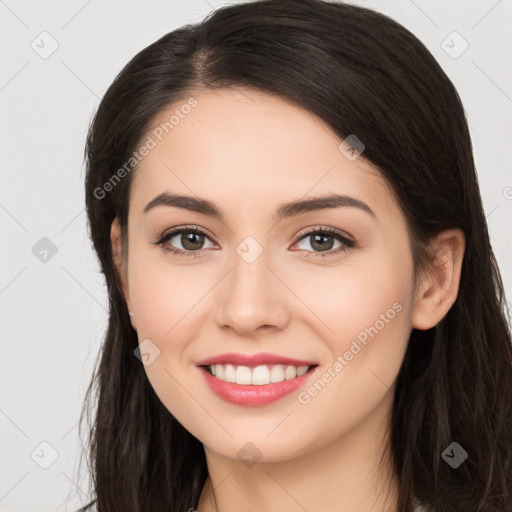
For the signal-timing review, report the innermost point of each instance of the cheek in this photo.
(164, 296)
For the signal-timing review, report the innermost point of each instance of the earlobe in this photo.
(437, 289)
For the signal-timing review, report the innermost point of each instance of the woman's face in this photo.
(263, 278)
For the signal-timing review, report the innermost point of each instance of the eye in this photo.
(323, 240)
(191, 240)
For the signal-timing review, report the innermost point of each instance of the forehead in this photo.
(247, 147)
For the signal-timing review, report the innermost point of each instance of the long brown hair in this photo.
(362, 73)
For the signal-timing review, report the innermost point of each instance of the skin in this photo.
(250, 152)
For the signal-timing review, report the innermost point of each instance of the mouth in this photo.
(255, 385)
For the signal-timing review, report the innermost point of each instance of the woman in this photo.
(305, 311)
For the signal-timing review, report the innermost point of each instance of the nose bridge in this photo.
(252, 296)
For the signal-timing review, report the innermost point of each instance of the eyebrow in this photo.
(297, 207)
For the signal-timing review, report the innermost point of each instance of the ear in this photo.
(437, 290)
(119, 258)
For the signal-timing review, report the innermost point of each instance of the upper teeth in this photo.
(259, 375)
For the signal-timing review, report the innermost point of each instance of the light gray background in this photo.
(53, 313)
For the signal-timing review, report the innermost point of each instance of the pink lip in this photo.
(253, 395)
(253, 360)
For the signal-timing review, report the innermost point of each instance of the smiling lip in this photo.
(253, 360)
(252, 395)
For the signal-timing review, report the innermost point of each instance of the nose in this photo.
(252, 300)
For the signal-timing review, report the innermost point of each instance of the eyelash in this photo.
(347, 242)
